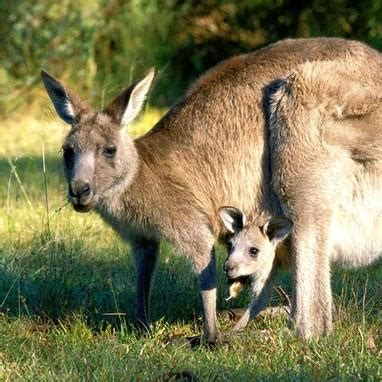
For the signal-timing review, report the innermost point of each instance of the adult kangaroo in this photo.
(209, 150)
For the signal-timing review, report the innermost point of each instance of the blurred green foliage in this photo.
(98, 47)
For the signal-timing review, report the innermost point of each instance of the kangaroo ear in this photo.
(232, 218)
(277, 229)
(68, 105)
(125, 108)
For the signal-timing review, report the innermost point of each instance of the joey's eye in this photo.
(253, 251)
(229, 246)
(109, 151)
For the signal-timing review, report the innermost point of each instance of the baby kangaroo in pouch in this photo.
(254, 254)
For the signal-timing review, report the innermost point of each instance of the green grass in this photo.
(62, 273)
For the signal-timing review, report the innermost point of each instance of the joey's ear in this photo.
(68, 105)
(277, 229)
(125, 108)
(232, 218)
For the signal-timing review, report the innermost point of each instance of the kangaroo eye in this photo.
(68, 152)
(109, 151)
(253, 251)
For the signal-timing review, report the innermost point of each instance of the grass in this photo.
(63, 273)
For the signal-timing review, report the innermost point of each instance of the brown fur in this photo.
(209, 150)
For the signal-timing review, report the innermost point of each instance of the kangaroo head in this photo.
(98, 155)
(252, 247)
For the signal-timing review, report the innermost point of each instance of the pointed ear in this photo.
(232, 218)
(277, 229)
(126, 107)
(68, 105)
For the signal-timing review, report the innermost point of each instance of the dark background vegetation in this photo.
(100, 46)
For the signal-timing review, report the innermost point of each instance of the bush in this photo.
(103, 45)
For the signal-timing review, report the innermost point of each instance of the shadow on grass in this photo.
(57, 280)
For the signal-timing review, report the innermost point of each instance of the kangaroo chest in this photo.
(119, 218)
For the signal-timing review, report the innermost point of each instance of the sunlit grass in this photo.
(67, 294)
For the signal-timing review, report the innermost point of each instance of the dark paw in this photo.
(232, 314)
(193, 342)
(189, 342)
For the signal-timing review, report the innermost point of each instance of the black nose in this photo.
(78, 188)
(228, 267)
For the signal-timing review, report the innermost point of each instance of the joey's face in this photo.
(251, 253)
(252, 247)
(97, 157)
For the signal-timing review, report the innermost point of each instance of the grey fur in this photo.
(210, 149)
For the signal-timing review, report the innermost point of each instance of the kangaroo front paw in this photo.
(217, 339)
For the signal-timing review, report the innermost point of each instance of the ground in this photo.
(67, 292)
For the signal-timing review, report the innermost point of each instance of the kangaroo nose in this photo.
(79, 188)
(228, 267)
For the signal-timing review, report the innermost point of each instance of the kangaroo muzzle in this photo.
(81, 195)
(230, 269)
(81, 191)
